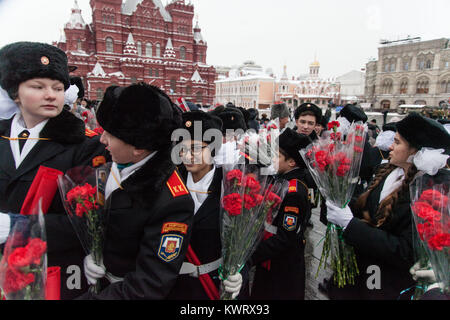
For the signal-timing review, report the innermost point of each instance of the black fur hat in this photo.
(308, 107)
(353, 113)
(423, 132)
(291, 142)
(140, 114)
(391, 126)
(279, 110)
(207, 120)
(22, 61)
(232, 118)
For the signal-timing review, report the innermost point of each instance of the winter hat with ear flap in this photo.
(22, 61)
(141, 115)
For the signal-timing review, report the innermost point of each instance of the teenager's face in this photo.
(400, 151)
(284, 164)
(121, 152)
(40, 98)
(283, 122)
(306, 124)
(196, 156)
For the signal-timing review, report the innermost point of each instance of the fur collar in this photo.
(65, 128)
(148, 181)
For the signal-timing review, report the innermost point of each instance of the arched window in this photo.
(422, 86)
(173, 85)
(421, 64)
(112, 19)
(199, 97)
(385, 104)
(387, 86)
(79, 47)
(404, 86)
(150, 72)
(139, 48)
(99, 94)
(148, 49)
(428, 65)
(188, 90)
(109, 45)
(200, 59)
(158, 50)
(182, 53)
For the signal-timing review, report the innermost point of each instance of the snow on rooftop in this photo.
(130, 6)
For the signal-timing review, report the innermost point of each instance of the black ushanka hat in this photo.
(353, 113)
(391, 126)
(423, 132)
(22, 61)
(279, 110)
(207, 120)
(141, 115)
(291, 142)
(232, 118)
(308, 107)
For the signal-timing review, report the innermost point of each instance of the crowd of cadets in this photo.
(163, 235)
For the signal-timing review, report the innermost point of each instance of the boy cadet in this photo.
(151, 210)
(279, 260)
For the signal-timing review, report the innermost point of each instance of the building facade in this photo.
(411, 73)
(140, 40)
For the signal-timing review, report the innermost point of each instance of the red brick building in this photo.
(139, 40)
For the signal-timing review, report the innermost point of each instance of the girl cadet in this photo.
(151, 210)
(379, 225)
(204, 182)
(41, 133)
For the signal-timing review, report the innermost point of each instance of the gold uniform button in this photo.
(188, 124)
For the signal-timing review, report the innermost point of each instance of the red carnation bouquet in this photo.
(431, 214)
(334, 161)
(249, 197)
(83, 192)
(23, 267)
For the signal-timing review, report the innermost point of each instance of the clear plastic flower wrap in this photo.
(334, 161)
(83, 194)
(23, 267)
(248, 197)
(431, 215)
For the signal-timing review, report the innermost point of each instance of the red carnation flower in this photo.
(16, 280)
(232, 203)
(425, 211)
(358, 138)
(342, 170)
(253, 184)
(358, 149)
(258, 199)
(36, 248)
(438, 241)
(272, 197)
(19, 258)
(234, 174)
(249, 202)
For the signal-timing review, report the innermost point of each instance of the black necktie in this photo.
(24, 135)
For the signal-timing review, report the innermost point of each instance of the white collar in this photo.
(199, 190)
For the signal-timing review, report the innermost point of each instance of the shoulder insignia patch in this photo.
(169, 247)
(176, 185)
(292, 185)
(90, 133)
(291, 209)
(289, 222)
(98, 161)
(174, 226)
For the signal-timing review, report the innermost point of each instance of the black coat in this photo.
(389, 247)
(205, 242)
(285, 250)
(68, 147)
(142, 217)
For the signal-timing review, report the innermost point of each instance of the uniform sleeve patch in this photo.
(90, 133)
(170, 247)
(289, 222)
(174, 226)
(292, 186)
(176, 185)
(291, 209)
(98, 161)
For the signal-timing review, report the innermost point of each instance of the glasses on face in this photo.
(193, 150)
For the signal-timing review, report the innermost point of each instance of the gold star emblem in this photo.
(232, 118)
(45, 60)
(308, 105)
(24, 135)
(188, 124)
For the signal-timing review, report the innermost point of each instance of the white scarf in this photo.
(7, 106)
(393, 181)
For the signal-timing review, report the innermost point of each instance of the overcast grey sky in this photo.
(343, 34)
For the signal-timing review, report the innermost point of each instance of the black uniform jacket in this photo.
(68, 147)
(205, 242)
(285, 249)
(150, 224)
(388, 249)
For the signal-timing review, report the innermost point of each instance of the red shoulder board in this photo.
(292, 186)
(176, 185)
(98, 161)
(90, 133)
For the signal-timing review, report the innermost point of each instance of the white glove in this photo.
(425, 275)
(5, 224)
(92, 271)
(233, 284)
(338, 216)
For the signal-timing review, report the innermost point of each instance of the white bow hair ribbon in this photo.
(430, 160)
(344, 125)
(385, 140)
(8, 107)
(71, 95)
